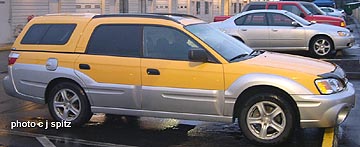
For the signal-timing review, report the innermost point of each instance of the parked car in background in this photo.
(322, 11)
(281, 30)
(333, 12)
(305, 10)
(324, 3)
(171, 66)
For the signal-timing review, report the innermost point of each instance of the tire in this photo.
(75, 103)
(278, 121)
(322, 47)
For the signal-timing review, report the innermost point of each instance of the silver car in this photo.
(281, 30)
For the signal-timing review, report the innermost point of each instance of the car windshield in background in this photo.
(298, 19)
(313, 9)
(227, 46)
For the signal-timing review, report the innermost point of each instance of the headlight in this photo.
(329, 86)
(342, 33)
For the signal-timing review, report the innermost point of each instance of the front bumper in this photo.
(344, 42)
(325, 110)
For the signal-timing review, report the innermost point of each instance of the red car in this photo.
(298, 8)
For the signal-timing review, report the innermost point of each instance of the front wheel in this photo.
(68, 102)
(322, 47)
(267, 119)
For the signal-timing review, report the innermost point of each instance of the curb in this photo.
(329, 138)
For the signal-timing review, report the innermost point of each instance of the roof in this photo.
(183, 19)
(265, 10)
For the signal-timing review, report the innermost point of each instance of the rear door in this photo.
(110, 66)
(253, 29)
(283, 35)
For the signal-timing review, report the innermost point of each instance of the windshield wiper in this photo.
(238, 56)
(256, 52)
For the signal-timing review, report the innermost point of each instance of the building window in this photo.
(239, 7)
(97, 6)
(124, 6)
(78, 6)
(235, 8)
(206, 7)
(87, 6)
(198, 8)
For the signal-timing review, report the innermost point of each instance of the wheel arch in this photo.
(264, 88)
(56, 81)
(321, 35)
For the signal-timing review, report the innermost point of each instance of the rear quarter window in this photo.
(48, 34)
(256, 7)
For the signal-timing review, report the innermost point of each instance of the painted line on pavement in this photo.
(328, 138)
(62, 139)
(45, 141)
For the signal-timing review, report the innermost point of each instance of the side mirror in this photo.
(302, 15)
(295, 24)
(198, 55)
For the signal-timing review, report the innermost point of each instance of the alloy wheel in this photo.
(266, 120)
(67, 104)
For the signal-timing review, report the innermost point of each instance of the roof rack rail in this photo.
(176, 14)
(147, 15)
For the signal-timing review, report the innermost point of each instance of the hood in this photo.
(328, 27)
(326, 18)
(292, 62)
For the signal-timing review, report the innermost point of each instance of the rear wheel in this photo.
(68, 102)
(267, 118)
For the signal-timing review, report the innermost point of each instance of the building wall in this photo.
(14, 13)
(5, 26)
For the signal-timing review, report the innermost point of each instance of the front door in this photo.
(284, 35)
(172, 83)
(110, 67)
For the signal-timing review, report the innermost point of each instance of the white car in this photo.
(333, 12)
(282, 30)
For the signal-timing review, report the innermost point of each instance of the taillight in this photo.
(12, 58)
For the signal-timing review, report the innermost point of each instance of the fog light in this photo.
(342, 115)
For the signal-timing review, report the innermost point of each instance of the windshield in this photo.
(313, 8)
(227, 46)
(298, 19)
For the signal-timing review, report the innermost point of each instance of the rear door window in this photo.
(256, 7)
(292, 8)
(274, 7)
(116, 40)
(48, 34)
(255, 19)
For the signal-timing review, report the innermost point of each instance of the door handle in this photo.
(151, 71)
(274, 30)
(84, 66)
(243, 29)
